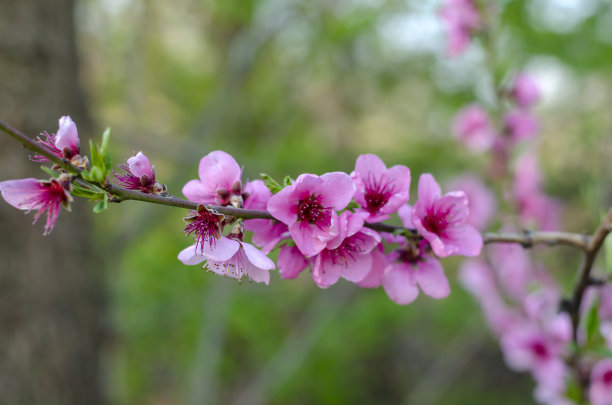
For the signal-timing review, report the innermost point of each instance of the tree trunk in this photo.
(51, 290)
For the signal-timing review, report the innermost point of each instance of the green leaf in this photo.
(101, 205)
(287, 181)
(105, 139)
(272, 184)
(50, 172)
(352, 206)
(592, 322)
(608, 253)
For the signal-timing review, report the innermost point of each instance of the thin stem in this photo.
(584, 274)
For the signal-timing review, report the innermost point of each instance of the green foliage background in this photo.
(290, 86)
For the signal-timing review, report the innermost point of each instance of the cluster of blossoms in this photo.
(474, 127)
(462, 21)
(312, 227)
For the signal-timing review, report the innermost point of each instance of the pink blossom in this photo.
(205, 225)
(409, 269)
(473, 127)
(219, 180)
(63, 144)
(266, 233)
(291, 262)
(347, 255)
(513, 267)
(44, 196)
(442, 220)
(534, 206)
(309, 206)
(600, 391)
(380, 191)
(376, 275)
(481, 199)
(521, 125)
(524, 90)
(462, 19)
(140, 175)
(231, 258)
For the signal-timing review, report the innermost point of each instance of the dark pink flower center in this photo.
(312, 211)
(607, 377)
(349, 247)
(436, 222)
(377, 192)
(411, 254)
(539, 349)
(205, 226)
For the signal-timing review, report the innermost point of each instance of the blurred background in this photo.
(102, 312)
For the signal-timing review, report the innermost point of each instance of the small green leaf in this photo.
(608, 253)
(287, 181)
(592, 322)
(352, 206)
(105, 139)
(94, 174)
(101, 205)
(272, 184)
(50, 172)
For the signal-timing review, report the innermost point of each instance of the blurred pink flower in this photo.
(380, 191)
(600, 391)
(347, 255)
(63, 144)
(43, 196)
(231, 258)
(481, 200)
(219, 180)
(442, 220)
(308, 207)
(409, 269)
(461, 18)
(521, 125)
(472, 126)
(524, 90)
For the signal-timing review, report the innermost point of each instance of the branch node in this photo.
(528, 242)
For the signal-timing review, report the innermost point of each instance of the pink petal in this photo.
(283, 205)
(223, 249)
(67, 135)
(370, 165)
(454, 207)
(324, 273)
(343, 220)
(399, 284)
(356, 270)
(431, 278)
(302, 235)
(190, 256)
(24, 194)
(405, 214)
(291, 262)
(375, 277)
(195, 191)
(337, 190)
(256, 257)
(429, 190)
(462, 240)
(259, 195)
(258, 275)
(139, 165)
(219, 170)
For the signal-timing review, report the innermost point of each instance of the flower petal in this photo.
(431, 278)
(291, 262)
(337, 190)
(309, 245)
(399, 284)
(219, 170)
(283, 206)
(357, 269)
(223, 249)
(67, 135)
(464, 239)
(256, 257)
(195, 191)
(190, 256)
(24, 194)
(139, 165)
(370, 165)
(429, 190)
(324, 273)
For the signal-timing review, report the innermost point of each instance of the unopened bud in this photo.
(237, 187)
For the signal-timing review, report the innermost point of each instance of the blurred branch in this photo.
(586, 243)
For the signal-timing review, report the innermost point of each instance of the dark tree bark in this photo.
(51, 290)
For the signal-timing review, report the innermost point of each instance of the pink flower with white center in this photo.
(308, 207)
(44, 196)
(266, 233)
(231, 258)
(140, 175)
(481, 199)
(380, 191)
(410, 268)
(442, 220)
(63, 144)
(348, 254)
(473, 127)
(462, 20)
(600, 391)
(521, 125)
(219, 180)
(291, 262)
(524, 91)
